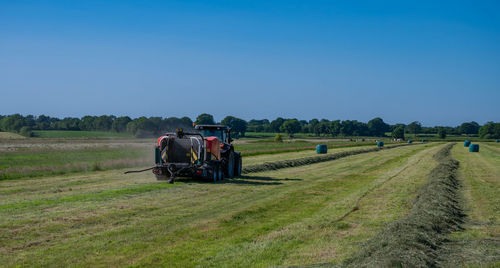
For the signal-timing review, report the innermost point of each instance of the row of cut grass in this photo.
(479, 244)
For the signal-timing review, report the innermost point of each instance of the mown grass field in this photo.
(319, 214)
(79, 134)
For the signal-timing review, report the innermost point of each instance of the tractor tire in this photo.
(230, 165)
(215, 173)
(221, 173)
(238, 166)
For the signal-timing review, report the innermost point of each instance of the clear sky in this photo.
(437, 62)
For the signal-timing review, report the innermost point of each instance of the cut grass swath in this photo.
(416, 240)
(310, 160)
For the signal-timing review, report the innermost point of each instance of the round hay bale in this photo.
(497, 141)
(410, 141)
(380, 144)
(474, 148)
(466, 143)
(423, 141)
(321, 149)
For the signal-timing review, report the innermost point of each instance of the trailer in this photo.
(207, 152)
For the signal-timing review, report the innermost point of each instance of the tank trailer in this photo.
(205, 153)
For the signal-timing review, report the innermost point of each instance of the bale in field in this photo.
(474, 148)
(380, 144)
(466, 143)
(321, 149)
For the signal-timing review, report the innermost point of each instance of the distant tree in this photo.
(393, 127)
(67, 123)
(87, 122)
(255, 125)
(490, 130)
(276, 124)
(377, 127)
(26, 131)
(187, 121)
(442, 133)
(313, 126)
(170, 124)
(158, 124)
(43, 122)
(30, 121)
(323, 127)
(142, 127)
(132, 127)
(469, 128)
(120, 124)
(12, 123)
(291, 126)
(103, 122)
(414, 127)
(346, 128)
(237, 125)
(205, 119)
(496, 131)
(353, 128)
(305, 128)
(398, 133)
(335, 127)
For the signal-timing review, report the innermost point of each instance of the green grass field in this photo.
(78, 134)
(319, 214)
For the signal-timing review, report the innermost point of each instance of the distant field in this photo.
(259, 147)
(54, 162)
(78, 134)
(10, 135)
(39, 157)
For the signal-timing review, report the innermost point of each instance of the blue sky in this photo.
(437, 63)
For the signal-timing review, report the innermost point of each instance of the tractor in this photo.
(205, 153)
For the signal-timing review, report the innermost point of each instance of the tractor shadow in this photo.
(242, 180)
(258, 180)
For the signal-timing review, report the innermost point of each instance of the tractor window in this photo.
(213, 133)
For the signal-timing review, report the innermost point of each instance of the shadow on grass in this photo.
(243, 180)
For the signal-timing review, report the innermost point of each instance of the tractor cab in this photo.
(219, 131)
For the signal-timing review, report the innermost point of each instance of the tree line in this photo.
(150, 126)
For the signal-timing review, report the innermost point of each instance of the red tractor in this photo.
(207, 152)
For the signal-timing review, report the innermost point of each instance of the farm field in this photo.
(41, 157)
(320, 214)
(79, 134)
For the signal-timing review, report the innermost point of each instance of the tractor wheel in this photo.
(215, 173)
(238, 166)
(221, 173)
(230, 165)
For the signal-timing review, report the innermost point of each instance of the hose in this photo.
(137, 171)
